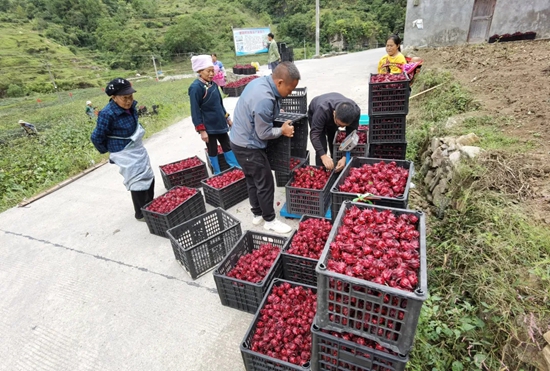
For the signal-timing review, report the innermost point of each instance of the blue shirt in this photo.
(219, 64)
(207, 108)
(114, 121)
(254, 113)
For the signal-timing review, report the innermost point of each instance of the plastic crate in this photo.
(280, 150)
(282, 178)
(233, 92)
(243, 295)
(339, 197)
(296, 102)
(387, 129)
(360, 150)
(190, 177)
(388, 97)
(254, 361)
(331, 353)
(221, 160)
(227, 196)
(309, 201)
(364, 299)
(202, 242)
(159, 223)
(298, 268)
(394, 151)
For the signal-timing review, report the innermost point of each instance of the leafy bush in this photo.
(15, 91)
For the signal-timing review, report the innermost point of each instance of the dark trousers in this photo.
(259, 180)
(142, 198)
(212, 144)
(327, 135)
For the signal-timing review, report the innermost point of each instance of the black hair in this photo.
(271, 35)
(214, 55)
(347, 112)
(396, 39)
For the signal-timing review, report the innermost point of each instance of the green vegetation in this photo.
(488, 259)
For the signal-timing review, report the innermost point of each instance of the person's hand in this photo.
(204, 136)
(340, 165)
(287, 129)
(327, 161)
(229, 122)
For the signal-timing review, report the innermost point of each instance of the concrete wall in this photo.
(447, 22)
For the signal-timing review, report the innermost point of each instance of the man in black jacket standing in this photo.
(326, 114)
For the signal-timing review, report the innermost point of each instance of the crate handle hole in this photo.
(306, 365)
(419, 292)
(322, 266)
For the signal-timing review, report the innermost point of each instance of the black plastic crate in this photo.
(221, 160)
(254, 361)
(159, 223)
(280, 150)
(190, 177)
(332, 353)
(387, 129)
(360, 150)
(243, 295)
(394, 151)
(345, 302)
(296, 102)
(298, 268)
(309, 201)
(233, 92)
(281, 178)
(202, 242)
(227, 196)
(339, 197)
(388, 97)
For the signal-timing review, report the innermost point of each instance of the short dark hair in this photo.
(271, 35)
(396, 39)
(286, 71)
(347, 112)
(214, 55)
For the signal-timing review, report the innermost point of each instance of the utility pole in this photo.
(317, 26)
(155, 65)
(305, 55)
(53, 81)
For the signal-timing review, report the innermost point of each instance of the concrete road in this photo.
(83, 286)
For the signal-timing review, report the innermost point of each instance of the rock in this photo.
(437, 157)
(466, 140)
(435, 144)
(429, 177)
(547, 337)
(546, 355)
(443, 184)
(470, 151)
(454, 157)
(445, 153)
(451, 121)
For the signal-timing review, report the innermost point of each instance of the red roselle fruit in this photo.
(284, 327)
(171, 199)
(254, 266)
(294, 162)
(241, 82)
(364, 342)
(182, 165)
(377, 246)
(381, 179)
(310, 177)
(310, 239)
(361, 133)
(225, 179)
(389, 77)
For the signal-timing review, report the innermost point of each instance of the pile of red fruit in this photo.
(243, 66)
(181, 165)
(310, 239)
(310, 177)
(294, 162)
(381, 179)
(388, 77)
(241, 82)
(171, 199)
(254, 266)
(380, 247)
(225, 179)
(284, 327)
(342, 135)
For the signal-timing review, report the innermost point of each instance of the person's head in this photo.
(214, 58)
(121, 92)
(270, 36)
(89, 103)
(345, 113)
(203, 65)
(286, 77)
(21, 122)
(393, 45)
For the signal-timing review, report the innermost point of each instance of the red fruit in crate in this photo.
(225, 179)
(171, 200)
(181, 165)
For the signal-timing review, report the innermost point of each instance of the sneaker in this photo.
(257, 220)
(277, 226)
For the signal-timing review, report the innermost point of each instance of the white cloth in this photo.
(200, 62)
(133, 162)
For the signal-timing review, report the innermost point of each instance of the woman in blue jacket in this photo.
(208, 113)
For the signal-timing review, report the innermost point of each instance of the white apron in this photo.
(133, 162)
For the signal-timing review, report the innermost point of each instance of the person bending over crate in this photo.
(208, 113)
(253, 127)
(119, 133)
(327, 113)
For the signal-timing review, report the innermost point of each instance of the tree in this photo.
(189, 34)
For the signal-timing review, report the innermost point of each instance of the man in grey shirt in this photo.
(253, 118)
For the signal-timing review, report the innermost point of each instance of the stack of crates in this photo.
(388, 108)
